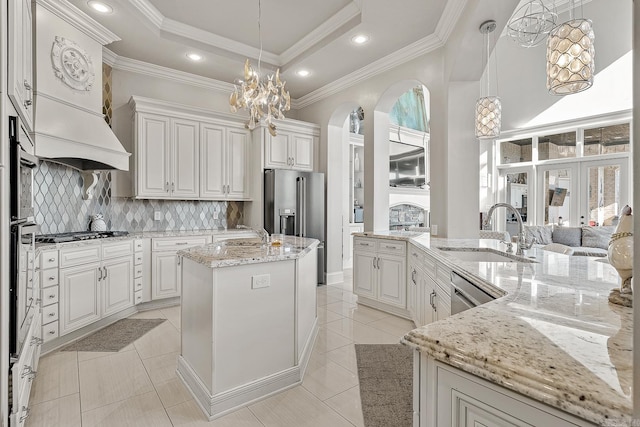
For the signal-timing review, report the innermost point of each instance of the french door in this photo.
(605, 190)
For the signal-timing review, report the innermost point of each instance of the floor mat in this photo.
(114, 337)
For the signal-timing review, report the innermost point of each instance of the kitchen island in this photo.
(248, 319)
(549, 350)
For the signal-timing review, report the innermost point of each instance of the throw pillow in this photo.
(542, 233)
(597, 237)
(570, 236)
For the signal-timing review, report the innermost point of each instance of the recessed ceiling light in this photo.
(194, 56)
(360, 39)
(100, 7)
(303, 73)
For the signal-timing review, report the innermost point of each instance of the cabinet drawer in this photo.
(137, 271)
(78, 256)
(176, 244)
(49, 259)
(49, 296)
(49, 314)
(137, 284)
(137, 258)
(416, 256)
(137, 245)
(49, 277)
(137, 297)
(50, 331)
(364, 244)
(118, 249)
(392, 247)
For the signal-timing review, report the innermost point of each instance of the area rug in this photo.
(115, 337)
(386, 384)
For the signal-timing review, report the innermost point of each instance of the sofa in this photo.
(584, 240)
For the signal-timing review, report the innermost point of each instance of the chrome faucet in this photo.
(522, 243)
(261, 232)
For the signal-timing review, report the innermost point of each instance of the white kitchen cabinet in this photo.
(428, 294)
(165, 265)
(223, 162)
(290, 150)
(20, 63)
(379, 271)
(517, 193)
(452, 397)
(117, 285)
(79, 296)
(167, 154)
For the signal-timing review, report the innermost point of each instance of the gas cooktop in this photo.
(78, 235)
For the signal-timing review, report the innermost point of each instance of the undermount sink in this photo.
(483, 255)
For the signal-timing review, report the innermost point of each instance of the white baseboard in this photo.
(216, 406)
(333, 278)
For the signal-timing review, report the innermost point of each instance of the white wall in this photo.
(522, 79)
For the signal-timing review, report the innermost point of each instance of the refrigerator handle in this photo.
(303, 203)
(299, 209)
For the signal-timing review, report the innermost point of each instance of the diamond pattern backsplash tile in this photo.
(60, 207)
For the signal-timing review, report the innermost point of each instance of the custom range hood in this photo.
(69, 124)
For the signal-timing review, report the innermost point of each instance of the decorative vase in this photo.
(356, 163)
(620, 253)
(354, 122)
(98, 223)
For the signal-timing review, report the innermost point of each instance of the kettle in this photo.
(98, 223)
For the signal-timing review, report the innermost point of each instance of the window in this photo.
(606, 140)
(558, 146)
(516, 151)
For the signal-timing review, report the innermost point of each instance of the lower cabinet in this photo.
(379, 274)
(165, 275)
(428, 288)
(452, 397)
(165, 271)
(117, 285)
(79, 296)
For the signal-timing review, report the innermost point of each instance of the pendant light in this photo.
(488, 107)
(570, 56)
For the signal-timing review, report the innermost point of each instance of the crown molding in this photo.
(79, 20)
(344, 16)
(444, 28)
(407, 53)
(108, 57)
(174, 28)
(133, 65)
(149, 11)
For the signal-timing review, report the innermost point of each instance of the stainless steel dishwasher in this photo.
(466, 295)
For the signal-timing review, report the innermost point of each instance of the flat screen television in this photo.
(407, 165)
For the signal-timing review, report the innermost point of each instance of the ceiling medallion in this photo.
(72, 64)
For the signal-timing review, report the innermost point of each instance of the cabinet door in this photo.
(20, 64)
(301, 150)
(277, 152)
(237, 171)
(153, 152)
(79, 296)
(364, 274)
(185, 154)
(213, 165)
(117, 285)
(164, 278)
(392, 285)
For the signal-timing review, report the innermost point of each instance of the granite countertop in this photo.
(220, 232)
(233, 252)
(551, 334)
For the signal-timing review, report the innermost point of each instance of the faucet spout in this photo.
(261, 232)
(521, 232)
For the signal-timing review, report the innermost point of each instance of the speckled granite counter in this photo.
(248, 251)
(551, 334)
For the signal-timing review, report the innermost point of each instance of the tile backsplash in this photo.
(60, 207)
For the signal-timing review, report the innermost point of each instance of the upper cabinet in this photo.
(185, 153)
(20, 63)
(292, 148)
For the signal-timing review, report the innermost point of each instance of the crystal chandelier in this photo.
(488, 108)
(570, 56)
(532, 22)
(265, 98)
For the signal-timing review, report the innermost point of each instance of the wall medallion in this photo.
(72, 64)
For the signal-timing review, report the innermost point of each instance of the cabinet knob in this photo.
(52, 278)
(27, 412)
(27, 86)
(52, 296)
(52, 259)
(52, 314)
(52, 332)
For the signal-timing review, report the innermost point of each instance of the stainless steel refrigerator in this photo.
(294, 205)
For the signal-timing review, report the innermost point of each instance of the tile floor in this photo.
(138, 385)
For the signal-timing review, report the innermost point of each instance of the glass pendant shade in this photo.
(488, 117)
(570, 57)
(531, 24)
